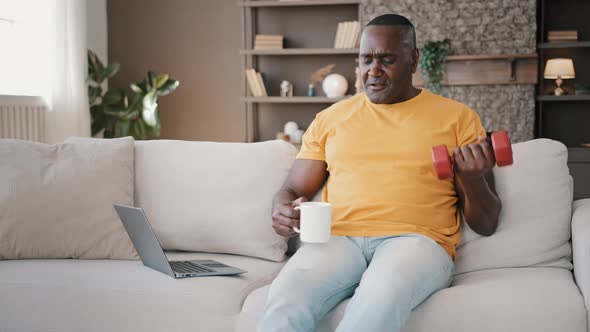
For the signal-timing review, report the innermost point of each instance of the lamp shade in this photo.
(562, 68)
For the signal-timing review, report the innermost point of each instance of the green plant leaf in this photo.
(135, 88)
(111, 70)
(113, 96)
(93, 93)
(168, 87)
(151, 78)
(122, 128)
(161, 79)
(97, 123)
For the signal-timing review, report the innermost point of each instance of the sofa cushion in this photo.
(515, 299)
(56, 200)
(534, 227)
(213, 197)
(110, 295)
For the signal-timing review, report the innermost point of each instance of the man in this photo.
(394, 224)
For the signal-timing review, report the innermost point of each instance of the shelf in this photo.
(301, 51)
(563, 98)
(292, 100)
(483, 57)
(564, 44)
(293, 3)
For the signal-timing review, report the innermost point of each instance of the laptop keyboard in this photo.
(188, 267)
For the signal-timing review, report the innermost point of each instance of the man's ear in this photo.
(415, 59)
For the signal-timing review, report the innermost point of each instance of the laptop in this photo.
(149, 249)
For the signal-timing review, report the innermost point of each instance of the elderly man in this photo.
(395, 225)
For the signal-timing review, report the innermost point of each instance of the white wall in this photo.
(96, 16)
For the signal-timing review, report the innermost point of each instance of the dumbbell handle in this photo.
(500, 144)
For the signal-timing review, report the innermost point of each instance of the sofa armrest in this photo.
(581, 247)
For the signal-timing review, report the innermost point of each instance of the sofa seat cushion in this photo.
(109, 295)
(515, 299)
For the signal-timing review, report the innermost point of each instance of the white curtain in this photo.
(43, 53)
(68, 96)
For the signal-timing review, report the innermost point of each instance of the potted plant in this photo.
(131, 111)
(432, 59)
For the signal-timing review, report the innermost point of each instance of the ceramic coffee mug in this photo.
(315, 222)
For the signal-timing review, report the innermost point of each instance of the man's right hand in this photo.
(285, 217)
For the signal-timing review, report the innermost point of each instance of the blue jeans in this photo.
(388, 276)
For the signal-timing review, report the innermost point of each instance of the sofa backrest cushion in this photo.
(213, 197)
(534, 225)
(56, 201)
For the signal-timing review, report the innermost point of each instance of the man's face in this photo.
(387, 62)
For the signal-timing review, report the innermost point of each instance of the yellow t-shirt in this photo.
(379, 158)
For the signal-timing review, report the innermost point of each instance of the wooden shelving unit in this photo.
(566, 118)
(564, 44)
(309, 28)
(295, 3)
(564, 98)
(292, 100)
(301, 51)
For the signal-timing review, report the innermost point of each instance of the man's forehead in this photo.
(385, 30)
(382, 39)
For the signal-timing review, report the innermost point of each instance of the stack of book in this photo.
(255, 82)
(268, 42)
(347, 34)
(562, 35)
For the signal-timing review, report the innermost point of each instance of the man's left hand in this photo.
(473, 161)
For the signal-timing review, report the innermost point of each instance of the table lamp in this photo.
(559, 69)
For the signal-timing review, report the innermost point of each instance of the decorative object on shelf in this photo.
(431, 62)
(290, 128)
(559, 69)
(296, 136)
(283, 136)
(347, 34)
(310, 90)
(317, 76)
(255, 82)
(125, 112)
(358, 82)
(268, 42)
(335, 85)
(582, 88)
(286, 89)
(562, 35)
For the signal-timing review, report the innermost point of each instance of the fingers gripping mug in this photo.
(315, 222)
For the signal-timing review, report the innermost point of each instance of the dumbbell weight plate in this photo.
(442, 162)
(502, 148)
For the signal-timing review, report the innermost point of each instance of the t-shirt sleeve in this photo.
(469, 128)
(313, 142)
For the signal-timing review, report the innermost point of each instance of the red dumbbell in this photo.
(502, 152)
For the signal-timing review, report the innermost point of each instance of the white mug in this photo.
(315, 222)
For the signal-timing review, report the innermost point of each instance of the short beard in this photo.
(385, 96)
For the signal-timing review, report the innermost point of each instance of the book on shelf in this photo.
(562, 35)
(347, 34)
(268, 42)
(338, 35)
(261, 84)
(255, 83)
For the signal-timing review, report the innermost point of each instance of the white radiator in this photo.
(22, 117)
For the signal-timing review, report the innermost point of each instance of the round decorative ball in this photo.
(290, 128)
(335, 85)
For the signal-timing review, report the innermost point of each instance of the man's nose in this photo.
(375, 69)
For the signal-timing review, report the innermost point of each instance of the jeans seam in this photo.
(334, 292)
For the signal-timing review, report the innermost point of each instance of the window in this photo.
(27, 42)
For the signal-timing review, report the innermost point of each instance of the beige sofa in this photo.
(212, 200)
